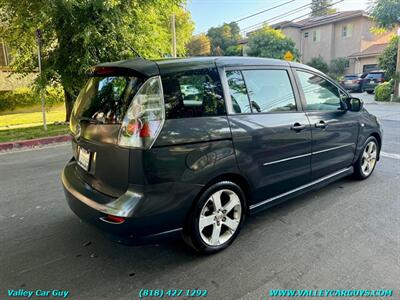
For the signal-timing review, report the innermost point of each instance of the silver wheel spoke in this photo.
(232, 224)
(366, 168)
(216, 200)
(364, 164)
(206, 221)
(233, 201)
(215, 234)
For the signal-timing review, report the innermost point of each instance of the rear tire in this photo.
(216, 219)
(370, 92)
(366, 162)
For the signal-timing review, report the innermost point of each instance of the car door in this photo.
(334, 129)
(271, 134)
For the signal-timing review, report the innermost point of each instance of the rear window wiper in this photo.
(90, 120)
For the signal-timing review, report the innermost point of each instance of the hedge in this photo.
(27, 97)
(383, 91)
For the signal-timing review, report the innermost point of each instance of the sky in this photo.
(208, 13)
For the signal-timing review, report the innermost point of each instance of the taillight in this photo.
(144, 117)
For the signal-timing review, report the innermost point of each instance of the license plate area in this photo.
(84, 157)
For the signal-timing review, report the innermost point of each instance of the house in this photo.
(342, 34)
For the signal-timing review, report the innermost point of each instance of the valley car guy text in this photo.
(38, 293)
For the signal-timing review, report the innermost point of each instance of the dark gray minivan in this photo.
(189, 147)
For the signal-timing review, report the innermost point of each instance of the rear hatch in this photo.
(97, 120)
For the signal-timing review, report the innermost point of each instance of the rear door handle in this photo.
(297, 127)
(321, 124)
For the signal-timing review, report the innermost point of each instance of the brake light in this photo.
(144, 117)
(104, 70)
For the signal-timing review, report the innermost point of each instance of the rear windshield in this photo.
(105, 99)
(350, 77)
(375, 75)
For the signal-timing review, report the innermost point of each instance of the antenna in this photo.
(134, 50)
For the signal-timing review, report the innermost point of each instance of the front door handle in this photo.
(321, 124)
(297, 127)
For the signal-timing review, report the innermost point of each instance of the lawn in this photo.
(28, 133)
(28, 119)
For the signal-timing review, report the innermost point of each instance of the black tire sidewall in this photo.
(193, 221)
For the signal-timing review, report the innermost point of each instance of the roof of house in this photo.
(321, 20)
(370, 51)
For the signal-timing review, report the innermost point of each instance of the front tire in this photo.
(366, 163)
(216, 218)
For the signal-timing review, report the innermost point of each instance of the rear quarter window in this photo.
(195, 93)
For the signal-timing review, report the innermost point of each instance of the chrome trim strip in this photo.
(286, 159)
(299, 188)
(308, 154)
(334, 148)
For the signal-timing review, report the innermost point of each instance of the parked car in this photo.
(372, 80)
(151, 162)
(352, 83)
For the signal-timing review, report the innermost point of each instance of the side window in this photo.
(320, 94)
(269, 91)
(237, 89)
(193, 94)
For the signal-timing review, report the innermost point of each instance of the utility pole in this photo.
(39, 42)
(173, 35)
(397, 81)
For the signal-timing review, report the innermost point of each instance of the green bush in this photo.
(319, 64)
(383, 91)
(26, 97)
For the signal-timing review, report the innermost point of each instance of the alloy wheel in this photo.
(220, 217)
(368, 159)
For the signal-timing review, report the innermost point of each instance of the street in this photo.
(344, 236)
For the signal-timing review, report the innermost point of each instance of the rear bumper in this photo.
(151, 213)
(370, 86)
(352, 87)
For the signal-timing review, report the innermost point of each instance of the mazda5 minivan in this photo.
(190, 147)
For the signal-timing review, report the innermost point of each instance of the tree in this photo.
(272, 43)
(386, 14)
(319, 64)
(387, 60)
(223, 37)
(79, 34)
(199, 45)
(321, 8)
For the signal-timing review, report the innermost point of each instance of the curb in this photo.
(34, 143)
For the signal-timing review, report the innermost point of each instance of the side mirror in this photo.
(355, 104)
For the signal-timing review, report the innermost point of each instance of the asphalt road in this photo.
(344, 236)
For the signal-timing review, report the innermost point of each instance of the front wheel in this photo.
(366, 163)
(216, 218)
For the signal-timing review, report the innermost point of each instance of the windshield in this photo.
(105, 99)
